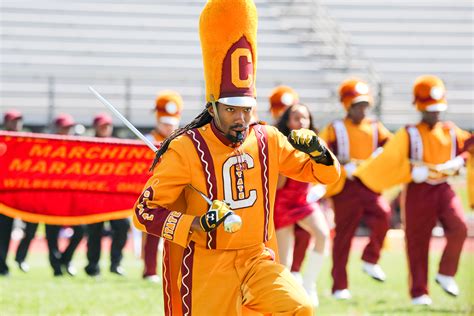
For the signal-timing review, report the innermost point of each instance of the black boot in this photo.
(92, 271)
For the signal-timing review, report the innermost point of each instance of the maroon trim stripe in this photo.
(167, 279)
(160, 214)
(187, 279)
(209, 174)
(262, 141)
(409, 141)
(458, 149)
(333, 145)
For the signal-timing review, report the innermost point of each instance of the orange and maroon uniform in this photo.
(469, 147)
(355, 143)
(426, 202)
(150, 242)
(234, 269)
(470, 181)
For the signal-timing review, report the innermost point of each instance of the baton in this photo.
(137, 133)
(124, 120)
(232, 223)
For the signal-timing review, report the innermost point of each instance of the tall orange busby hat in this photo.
(429, 94)
(168, 107)
(354, 90)
(280, 99)
(228, 32)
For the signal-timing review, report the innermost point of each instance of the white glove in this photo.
(377, 152)
(452, 166)
(232, 223)
(350, 168)
(419, 174)
(315, 193)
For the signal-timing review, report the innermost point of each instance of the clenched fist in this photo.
(307, 141)
(216, 214)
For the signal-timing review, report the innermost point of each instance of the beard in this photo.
(239, 135)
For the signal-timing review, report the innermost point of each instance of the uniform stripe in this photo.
(261, 133)
(187, 279)
(167, 280)
(210, 174)
(342, 141)
(375, 136)
(454, 143)
(160, 214)
(416, 144)
(409, 142)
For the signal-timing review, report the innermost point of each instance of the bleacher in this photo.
(403, 39)
(51, 51)
(129, 50)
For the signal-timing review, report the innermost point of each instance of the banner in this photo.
(70, 180)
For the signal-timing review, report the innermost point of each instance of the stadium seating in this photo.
(129, 50)
(403, 39)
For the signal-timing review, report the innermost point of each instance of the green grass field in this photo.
(39, 293)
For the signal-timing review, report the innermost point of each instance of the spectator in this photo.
(63, 125)
(12, 122)
(168, 108)
(103, 127)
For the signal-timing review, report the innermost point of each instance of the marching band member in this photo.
(216, 266)
(423, 156)
(354, 139)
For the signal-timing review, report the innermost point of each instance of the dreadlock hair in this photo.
(282, 124)
(202, 119)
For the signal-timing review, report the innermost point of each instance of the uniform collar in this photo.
(365, 120)
(428, 127)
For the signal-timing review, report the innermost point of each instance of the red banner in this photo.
(68, 180)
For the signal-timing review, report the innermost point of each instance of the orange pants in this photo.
(220, 282)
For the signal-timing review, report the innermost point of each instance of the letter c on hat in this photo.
(235, 57)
